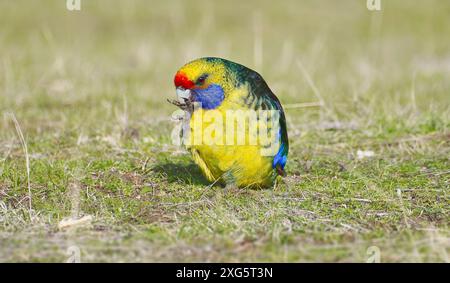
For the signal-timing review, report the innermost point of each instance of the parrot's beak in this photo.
(184, 95)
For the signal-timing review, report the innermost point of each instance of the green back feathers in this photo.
(266, 100)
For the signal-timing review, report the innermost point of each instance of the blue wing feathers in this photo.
(280, 158)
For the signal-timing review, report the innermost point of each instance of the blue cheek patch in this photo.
(210, 97)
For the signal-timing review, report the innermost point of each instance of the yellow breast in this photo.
(224, 155)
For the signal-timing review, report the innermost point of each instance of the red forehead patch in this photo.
(181, 80)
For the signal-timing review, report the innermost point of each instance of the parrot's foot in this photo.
(278, 182)
(186, 106)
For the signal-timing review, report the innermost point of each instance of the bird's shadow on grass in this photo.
(188, 174)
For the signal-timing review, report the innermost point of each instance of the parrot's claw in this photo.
(186, 106)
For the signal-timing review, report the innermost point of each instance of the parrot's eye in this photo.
(201, 79)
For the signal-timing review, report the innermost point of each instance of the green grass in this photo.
(89, 91)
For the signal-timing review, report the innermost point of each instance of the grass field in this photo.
(369, 158)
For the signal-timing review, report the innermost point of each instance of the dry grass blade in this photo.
(303, 105)
(314, 87)
(27, 158)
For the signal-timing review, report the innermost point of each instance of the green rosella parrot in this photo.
(218, 94)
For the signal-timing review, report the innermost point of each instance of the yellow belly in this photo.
(241, 164)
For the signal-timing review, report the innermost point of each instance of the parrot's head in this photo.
(206, 81)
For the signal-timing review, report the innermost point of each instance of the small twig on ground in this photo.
(71, 222)
(362, 200)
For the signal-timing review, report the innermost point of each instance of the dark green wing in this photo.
(262, 97)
